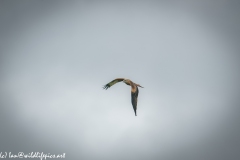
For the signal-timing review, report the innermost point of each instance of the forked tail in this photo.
(139, 85)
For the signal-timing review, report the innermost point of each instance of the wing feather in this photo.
(112, 83)
(134, 96)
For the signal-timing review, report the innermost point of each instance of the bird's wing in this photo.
(112, 83)
(134, 95)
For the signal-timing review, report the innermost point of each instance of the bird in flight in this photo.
(134, 90)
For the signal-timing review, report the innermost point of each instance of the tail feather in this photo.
(139, 85)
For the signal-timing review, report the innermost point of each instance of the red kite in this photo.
(134, 90)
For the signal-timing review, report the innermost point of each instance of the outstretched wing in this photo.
(134, 94)
(112, 83)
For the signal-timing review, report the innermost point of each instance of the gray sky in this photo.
(56, 56)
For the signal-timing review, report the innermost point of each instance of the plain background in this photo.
(55, 56)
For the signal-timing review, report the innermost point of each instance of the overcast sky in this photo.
(55, 56)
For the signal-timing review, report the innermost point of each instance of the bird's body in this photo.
(134, 90)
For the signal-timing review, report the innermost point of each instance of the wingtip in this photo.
(105, 87)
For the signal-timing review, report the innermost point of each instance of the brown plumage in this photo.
(134, 90)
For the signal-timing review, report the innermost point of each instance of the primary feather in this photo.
(112, 83)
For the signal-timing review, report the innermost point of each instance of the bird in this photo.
(134, 90)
